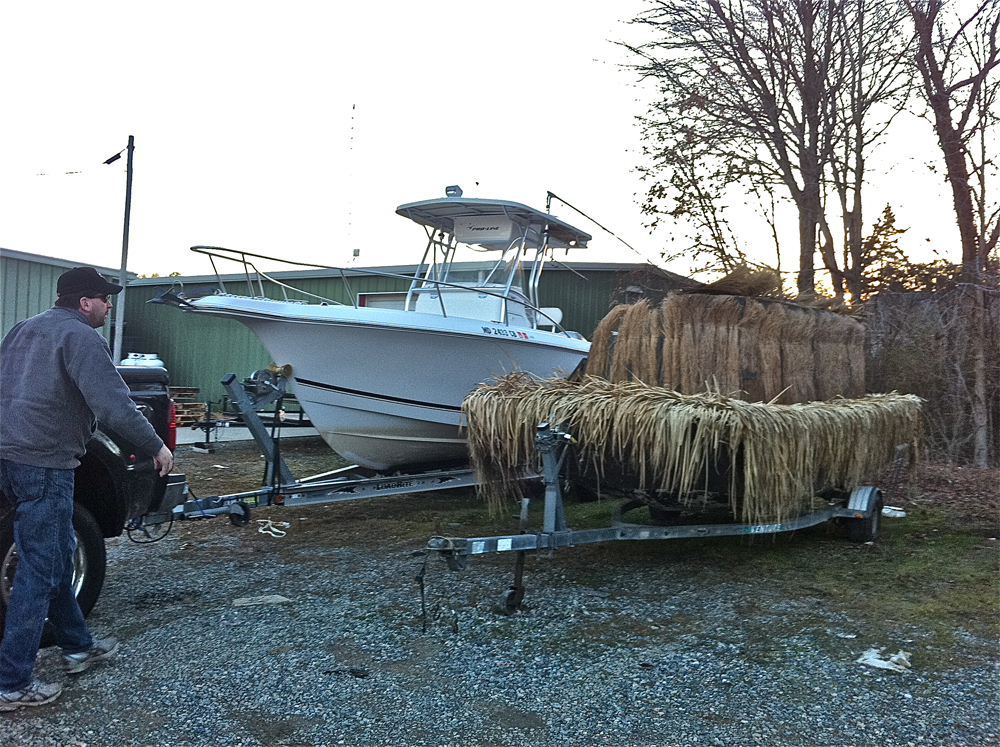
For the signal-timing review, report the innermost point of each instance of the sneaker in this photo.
(103, 648)
(35, 694)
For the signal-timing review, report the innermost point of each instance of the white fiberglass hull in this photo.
(384, 388)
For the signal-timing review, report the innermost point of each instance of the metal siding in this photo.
(29, 288)
(584, 301)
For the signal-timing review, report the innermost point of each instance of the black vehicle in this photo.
(116, 486)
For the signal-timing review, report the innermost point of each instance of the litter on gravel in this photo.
(898, 662)
(274, 528)
(256, 601)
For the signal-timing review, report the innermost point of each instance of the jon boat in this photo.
(384, 386)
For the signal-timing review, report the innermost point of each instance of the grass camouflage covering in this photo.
(760, 349)
(781, 455)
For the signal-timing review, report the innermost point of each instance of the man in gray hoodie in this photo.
(57, 380)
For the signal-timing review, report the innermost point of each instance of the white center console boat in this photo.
(384, 386)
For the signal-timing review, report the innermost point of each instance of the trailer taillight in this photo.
(172, 428)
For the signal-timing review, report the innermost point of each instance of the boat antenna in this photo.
(548, 209)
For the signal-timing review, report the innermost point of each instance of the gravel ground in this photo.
(663, 654)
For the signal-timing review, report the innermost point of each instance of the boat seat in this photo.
(552, 317)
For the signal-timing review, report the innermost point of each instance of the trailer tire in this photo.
(89, 564)
(867, 529)
(242, 517)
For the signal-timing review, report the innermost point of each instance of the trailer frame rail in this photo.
(863, 506)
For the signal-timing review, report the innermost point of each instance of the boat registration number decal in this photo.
(506, 333)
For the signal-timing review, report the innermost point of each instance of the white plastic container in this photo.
(142, 359)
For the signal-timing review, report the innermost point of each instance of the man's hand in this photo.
(164, 461)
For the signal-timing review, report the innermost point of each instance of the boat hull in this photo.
(384, 388)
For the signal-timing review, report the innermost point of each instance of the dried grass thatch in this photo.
(758, 349)
(744, 281)
(780, 455)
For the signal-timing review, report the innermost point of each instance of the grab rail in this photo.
(221, 253)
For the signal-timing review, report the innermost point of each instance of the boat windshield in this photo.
(481, 277)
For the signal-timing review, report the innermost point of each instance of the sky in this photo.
(296, 129)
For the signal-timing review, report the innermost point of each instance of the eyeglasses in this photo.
(104, 297)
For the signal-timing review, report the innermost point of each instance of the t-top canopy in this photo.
(463, 217)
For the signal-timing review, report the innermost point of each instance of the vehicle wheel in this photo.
(242, 518)
(89, 564)
(90, 559)
(866, 530)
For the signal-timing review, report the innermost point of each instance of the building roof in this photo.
(551, 266)
(57, 262)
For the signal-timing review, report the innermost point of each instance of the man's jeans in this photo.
(43, 531)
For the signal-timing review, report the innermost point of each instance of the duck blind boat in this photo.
(752, 407)
(384, 383)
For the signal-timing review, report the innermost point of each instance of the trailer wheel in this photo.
(510, 601)
(89, 564)
(242, 517)
(866, 530)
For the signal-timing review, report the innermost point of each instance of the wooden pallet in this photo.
(184, 392)
(188, 413)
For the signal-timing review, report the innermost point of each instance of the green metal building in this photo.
(28, 285)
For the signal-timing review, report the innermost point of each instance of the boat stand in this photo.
(862, 510)
(281, 487)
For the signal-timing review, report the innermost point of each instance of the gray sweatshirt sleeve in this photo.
(88, 362)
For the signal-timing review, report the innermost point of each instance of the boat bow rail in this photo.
(257, 280)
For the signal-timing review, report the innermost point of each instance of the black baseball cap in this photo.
(86, 281)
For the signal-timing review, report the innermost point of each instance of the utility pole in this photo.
(122, 273)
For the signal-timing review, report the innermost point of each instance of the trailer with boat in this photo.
(385, 387)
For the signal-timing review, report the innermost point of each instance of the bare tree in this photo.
(958, 59)
(877, 87)
(759, 87)
(691, 192)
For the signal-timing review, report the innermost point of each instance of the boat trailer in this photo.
(862, 509)
(282, 488)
